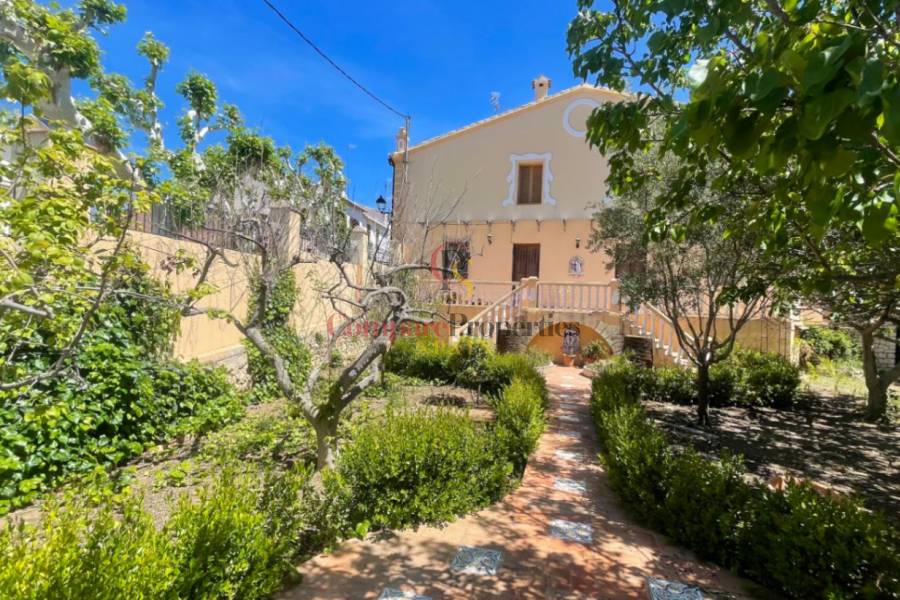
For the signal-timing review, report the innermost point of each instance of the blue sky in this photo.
(437, 60)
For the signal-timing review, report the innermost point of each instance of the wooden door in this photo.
(526, 261)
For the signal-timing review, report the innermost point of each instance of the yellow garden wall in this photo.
(212, 340)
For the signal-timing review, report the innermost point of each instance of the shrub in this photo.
(425, 357)
(594, 350)
(237, 539)
(469, 362)
(670, 384)
(799, 542)
(766, 379)
(420, 467)
(80, 552)
(234, 541)
(746, 378)
(519, 422)
(834, 344)
(57, 430)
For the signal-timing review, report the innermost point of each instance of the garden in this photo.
(226, 510)
(792, 534)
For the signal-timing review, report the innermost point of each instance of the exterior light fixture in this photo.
(490, 238)
(578, 242)
(381, 205)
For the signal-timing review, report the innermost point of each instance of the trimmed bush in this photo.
(519, 422)
(235, 541)
(421, 467)
(424, 357)
(746, 378)
(798, 542)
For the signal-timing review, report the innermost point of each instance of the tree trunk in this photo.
(703, 394)
(876, 399)
(326, 445)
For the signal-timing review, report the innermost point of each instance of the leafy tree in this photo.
(798, 100)
(706, 283)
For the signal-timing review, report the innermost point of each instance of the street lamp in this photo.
(381, 204)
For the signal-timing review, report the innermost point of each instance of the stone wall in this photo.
(886, 350)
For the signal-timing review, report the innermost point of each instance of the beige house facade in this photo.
(503, 208)
(517, 189)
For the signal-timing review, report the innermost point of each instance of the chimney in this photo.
(541, 87)
(402, 140)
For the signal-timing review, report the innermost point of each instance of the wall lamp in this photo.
(578, 242)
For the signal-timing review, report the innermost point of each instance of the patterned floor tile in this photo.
(476, 561)
(569, 485)
(660, 589)
(566, 455)
(571, 434)
(571, 531)
(569, 418)
(394, 594)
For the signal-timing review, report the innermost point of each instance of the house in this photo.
(376, 224)
(504, 207)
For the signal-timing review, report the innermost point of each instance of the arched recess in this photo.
(550, 339)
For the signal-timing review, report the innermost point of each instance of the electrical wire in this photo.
(328, 59)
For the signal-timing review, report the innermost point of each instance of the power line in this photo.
(332, 63)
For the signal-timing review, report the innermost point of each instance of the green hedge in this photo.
(431, 466)
(798, 542)
(421, 467)
(471, 363)
(746, 378)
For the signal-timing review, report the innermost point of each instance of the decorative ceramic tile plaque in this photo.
(571, 531)
(394, 594)
(476, 561)
(566, 455)
(569, 485)
(660, 589)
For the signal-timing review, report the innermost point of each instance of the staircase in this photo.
(649, 321)
(581, 302)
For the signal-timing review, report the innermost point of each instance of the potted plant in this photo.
(569, 360)
(593, 351)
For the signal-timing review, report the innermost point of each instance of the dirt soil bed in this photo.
(824, 439)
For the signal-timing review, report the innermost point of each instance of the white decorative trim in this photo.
(567, 115)
(515, 159)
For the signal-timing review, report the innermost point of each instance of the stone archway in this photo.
(551, 338)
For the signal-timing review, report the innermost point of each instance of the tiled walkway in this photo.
(561, 535)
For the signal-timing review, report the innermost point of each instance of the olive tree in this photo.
(707, 283)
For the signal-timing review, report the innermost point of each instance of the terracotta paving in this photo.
(605, 556)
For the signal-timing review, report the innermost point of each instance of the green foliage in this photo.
(798, 104)
(200, 94)
(283, 339)
(127, 394)
(81, 552)
(830, 343)
(421, 467)
(594, 350)
(425, 357)
(798, 542)
(746, 378)
(519, 422)
(57, 430)
(235, 540)
(470, 364)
